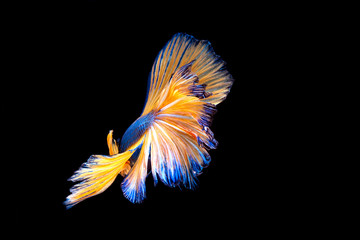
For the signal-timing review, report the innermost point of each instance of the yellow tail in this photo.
(98, 173)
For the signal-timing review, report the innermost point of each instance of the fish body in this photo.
(172, 137)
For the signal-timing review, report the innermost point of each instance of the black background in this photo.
(87, 65)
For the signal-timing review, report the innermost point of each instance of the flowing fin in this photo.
(179, 51)
(180, 132)
(96, 175)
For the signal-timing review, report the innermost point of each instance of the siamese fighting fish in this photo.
(172, 137)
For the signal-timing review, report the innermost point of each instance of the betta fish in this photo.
(172, 137)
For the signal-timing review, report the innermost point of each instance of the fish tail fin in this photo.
(98, 173)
